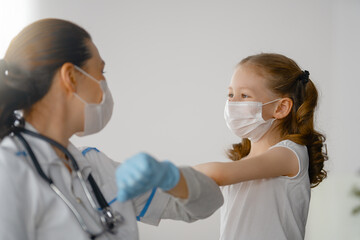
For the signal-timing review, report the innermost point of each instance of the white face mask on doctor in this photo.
(96, 115)
(245, 119)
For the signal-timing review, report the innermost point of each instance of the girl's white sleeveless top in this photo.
(273, 208)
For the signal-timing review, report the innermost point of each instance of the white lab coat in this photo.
(30, 210)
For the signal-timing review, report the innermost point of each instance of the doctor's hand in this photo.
(141, 173)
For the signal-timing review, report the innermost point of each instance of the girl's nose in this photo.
(234, 99)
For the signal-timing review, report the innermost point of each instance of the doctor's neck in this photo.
(51, 128)
(50, 118)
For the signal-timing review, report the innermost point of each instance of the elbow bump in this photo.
(218, 178)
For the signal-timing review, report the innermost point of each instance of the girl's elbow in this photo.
(220, 180)
(210, 170)
(217, 177)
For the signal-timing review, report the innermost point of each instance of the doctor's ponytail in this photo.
(31, 61)
(13, 95)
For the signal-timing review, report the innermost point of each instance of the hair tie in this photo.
(304, 77)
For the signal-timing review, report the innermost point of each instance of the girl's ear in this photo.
(284, 108)
(67, 77)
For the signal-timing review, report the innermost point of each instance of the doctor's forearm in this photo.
(181, 189)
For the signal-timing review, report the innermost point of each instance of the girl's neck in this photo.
(269, 139)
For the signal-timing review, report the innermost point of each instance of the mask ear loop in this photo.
(278, 99)
(271, 101)
(86, 74)
(95, 80)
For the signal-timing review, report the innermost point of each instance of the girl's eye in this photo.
(244, 96)
(231, 95)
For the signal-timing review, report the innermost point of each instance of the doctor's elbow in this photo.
(207, 209)
(213, 204)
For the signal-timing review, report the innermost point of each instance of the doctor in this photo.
(53, 73)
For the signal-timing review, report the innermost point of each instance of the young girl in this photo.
(271, 107)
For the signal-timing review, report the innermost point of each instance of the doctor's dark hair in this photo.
(286, 79)
(31, 61)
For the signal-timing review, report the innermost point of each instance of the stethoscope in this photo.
(110, 220)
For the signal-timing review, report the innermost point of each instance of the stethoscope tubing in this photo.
(97, 192)
(102, 202)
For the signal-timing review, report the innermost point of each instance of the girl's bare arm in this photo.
(279, 161)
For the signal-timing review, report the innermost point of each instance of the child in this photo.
(271, 107)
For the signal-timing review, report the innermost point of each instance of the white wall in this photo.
(169, 64)
(14, 15)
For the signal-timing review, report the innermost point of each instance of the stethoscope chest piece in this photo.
(111, 219)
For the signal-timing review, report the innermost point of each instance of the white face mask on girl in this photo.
(245, 119)
(96, 115)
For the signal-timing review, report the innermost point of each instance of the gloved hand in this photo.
(141, 173)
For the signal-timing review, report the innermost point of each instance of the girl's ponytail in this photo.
(239, 150)
(307, 135)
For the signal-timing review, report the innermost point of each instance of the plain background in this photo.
(169, 63)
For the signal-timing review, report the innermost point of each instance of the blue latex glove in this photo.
(142, 173)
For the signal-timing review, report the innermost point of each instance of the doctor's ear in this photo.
(283, 108)
(67, 77)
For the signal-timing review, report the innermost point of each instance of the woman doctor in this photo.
(53, 73)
